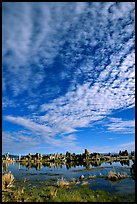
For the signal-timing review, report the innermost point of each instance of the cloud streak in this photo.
(42, 133)
(117, 125)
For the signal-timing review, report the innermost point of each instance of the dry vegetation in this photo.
(113, 176)
(62, 182)
(7, 180)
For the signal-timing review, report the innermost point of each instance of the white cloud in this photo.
(8, 103)
(28, 124)
(42, 133)
(130, 146)
(31, 34)
(88, 104)
(19, 142)
(117, 125)
(23, 142)
(32, 106)
(113, 138)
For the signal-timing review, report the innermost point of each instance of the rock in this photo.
(113, 176)
(81, 177)
(91, 177)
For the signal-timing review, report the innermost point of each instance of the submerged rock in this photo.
(92, 177)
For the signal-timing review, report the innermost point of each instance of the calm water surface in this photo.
(40, 175)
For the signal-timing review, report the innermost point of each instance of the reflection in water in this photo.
(70, 164)
(125, 162)
(132, 170)
(18, 165)
(50, 176)
(5, 165)
(30, 165)
(96, 163)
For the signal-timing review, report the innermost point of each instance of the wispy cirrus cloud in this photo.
(23, 142)
(42, 133)
(117, 125)
(18, 142)
(28, 124)
(113, 138)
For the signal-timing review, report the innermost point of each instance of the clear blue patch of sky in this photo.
(127, 114)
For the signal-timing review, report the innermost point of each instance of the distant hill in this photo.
(107, 153)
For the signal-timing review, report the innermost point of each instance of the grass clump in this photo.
(59, 194)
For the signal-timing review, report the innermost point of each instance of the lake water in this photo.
(39, 175)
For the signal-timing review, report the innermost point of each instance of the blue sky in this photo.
(68, 77)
